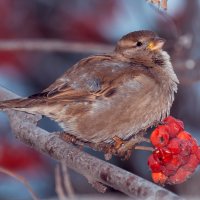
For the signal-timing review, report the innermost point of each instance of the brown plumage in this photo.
(116, 94)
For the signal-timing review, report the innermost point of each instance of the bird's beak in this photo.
(156, 44)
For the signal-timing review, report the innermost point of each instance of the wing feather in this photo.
(91, 78)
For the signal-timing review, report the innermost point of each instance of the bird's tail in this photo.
(17, 104)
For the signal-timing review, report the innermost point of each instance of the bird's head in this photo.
(141, 46)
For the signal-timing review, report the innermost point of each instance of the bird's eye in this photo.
(139, 44)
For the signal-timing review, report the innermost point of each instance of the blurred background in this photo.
(96, 21)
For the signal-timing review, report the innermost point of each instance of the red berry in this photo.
(171, 119)
(174, 163)
(162, 155)
(168, 171)
(192, 163)
(153, 164)
(159, 177)
(174, 130)
(174, 145)
(175, 126)
(185, 147)
(177, 154)
(160, 136)
(184, 159)
(184, 135)
(198, 153)
(180, 176)
(194, 145)
(189, 144)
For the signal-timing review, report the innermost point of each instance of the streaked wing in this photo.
(91, 78)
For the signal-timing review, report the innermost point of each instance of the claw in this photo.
(125, 155)
(118, 142)
(122, 148)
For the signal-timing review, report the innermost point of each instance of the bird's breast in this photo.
(136, 104)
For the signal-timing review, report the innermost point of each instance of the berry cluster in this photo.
(176, 154)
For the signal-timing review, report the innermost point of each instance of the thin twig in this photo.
(67, 182)
(76, 47)
(25, 128)
(144, 148)
(58, 183)
(53, 45)
(20, 179)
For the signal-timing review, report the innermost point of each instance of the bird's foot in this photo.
(112, 148)
(118, 142)
(125, 150)
(105, 147)
(108, 149)
(68, 137)
(121, 148)
(71, 139)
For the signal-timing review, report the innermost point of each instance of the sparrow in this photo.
(110, 95)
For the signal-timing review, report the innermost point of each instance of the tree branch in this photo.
(20, 179)
(66, 179)
(53, 45)
(187, 74)
(25, 129)
(58, 182)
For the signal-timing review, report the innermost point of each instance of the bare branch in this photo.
(53, 45)
(67, 182)
(58, 182)
(20, 179)
(25, 129)
(184, 68)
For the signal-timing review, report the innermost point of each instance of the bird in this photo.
(112, 95)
